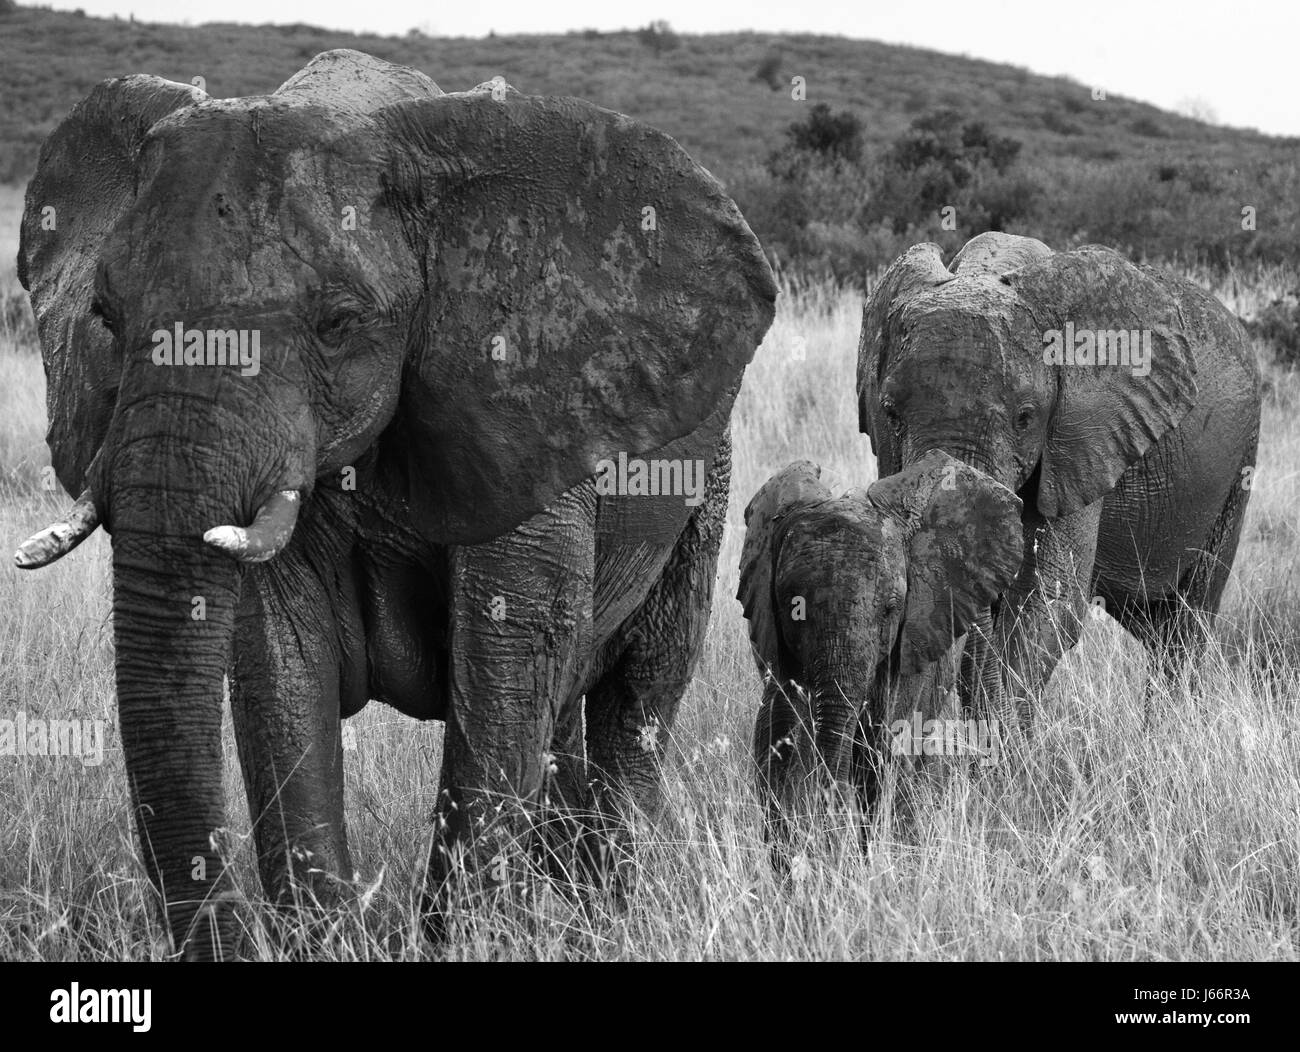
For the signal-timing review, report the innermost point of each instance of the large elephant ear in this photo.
(794, 486)
(997, 253)
(965, 544)
(917, 270)
(85, 180)
(1108, 414)
(590, 291)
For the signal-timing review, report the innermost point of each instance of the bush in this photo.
(1059, 124)
(830, 136)
(1148, 127)
(769, 70)
(658, 37)
(804, 202)
(940, 162)
(1278, 325)
(1166, 211)
(821, 203)
(997, 200)
(804, 211)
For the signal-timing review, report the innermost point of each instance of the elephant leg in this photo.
(783, 746)
(1042, 613)
(569, 789)
(871, 752)
(521, 628)
(1175, 628)
(568, 811)
(631, 708)
(288, 676)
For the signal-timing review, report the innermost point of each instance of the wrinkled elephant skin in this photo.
(1121, 404)
(343, 369)
(855, 605)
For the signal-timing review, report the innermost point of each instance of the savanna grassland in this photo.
(1122, 837)
(1130, 831)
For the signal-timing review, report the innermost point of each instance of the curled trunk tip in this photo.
(266, 537)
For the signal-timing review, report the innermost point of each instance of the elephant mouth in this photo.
(263, 539)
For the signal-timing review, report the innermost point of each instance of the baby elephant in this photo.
(852, 602)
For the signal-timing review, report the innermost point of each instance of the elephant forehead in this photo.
(353, 80)
(223, 160)
(287, 142)
(951, 314)
(842, 561)
(840, 527)
(976, 335)
(274, 213)
(332, 202)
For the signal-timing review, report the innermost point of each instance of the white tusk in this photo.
(233, 540)
(59, 538)
(270, 531)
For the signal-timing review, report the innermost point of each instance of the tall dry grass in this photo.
(1125, 835)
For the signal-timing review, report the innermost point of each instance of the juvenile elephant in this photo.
(1121, 405)
(853, 603)
(387, 393)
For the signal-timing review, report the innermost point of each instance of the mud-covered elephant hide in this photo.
(857, 606)
(1120, 403)
(426, 398)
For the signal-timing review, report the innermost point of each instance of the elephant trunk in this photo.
(986, 692)
(836, 721)
(173, 614)
(839, 690)
(173, 469)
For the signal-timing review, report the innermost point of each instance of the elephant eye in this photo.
(890, 408)
(1025, 417)
(334, 324)
(341, 304)
(340, 311)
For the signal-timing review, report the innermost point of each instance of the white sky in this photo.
(1238, 57)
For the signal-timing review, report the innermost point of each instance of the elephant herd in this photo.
(479, 470)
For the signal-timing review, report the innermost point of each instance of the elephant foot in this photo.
(304, 932)
(483, 861)
(308, 901)
(213, 928)
(609, 862)
(589, 859)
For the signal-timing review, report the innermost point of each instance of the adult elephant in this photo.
(854, 603)
(1122, 406)
(472, 462)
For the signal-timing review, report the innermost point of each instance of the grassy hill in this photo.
(703, 91)
(1112, 170)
